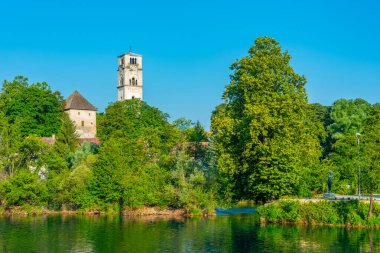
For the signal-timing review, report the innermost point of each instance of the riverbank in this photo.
(138, 212)
(352, 213)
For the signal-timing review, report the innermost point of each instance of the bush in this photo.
(353, 213)
(22, 188)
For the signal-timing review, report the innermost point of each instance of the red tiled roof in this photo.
(51, 140)
(48, 140)
(92, 140)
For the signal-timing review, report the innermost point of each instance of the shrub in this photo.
(323, 212)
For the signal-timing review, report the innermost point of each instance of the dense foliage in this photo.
(263, 133)
(352, 213)
(266, 142)
(142, 161)
(34, 107)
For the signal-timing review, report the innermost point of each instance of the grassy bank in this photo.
(348, 213)
(26, 210)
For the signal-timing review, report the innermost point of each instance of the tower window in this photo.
(82, 123)
(134, 81)
(89, 114)
(133, 61)
(78, 113)
(121, 81)
(130, 82)
(122, 61)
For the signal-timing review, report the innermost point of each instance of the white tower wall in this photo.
(130, 78)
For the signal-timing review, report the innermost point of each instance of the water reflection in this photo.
(235, 233)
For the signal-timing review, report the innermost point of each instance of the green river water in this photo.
(230, 233)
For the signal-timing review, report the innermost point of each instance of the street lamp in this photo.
(357, 137)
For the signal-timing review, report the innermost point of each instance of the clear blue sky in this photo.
(188, 46)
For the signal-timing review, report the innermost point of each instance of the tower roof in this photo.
(130, 53)
(78, 102)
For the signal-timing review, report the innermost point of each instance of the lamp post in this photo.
(357, 137)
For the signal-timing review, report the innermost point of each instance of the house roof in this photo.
(48, 140)
(78, 102)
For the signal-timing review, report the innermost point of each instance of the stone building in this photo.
(83, 114)
(130, 80)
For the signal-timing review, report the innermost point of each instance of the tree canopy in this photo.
(264, 137)
(35, 106)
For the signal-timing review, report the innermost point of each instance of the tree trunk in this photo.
(370, 206)
(121, 206)
(12, 167)
(370, 241)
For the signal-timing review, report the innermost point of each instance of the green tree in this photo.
(82, 152)
(67, 140)
(348, 116)
(32, 154)
(35, 104)
(23, 188)
(371, 139)
(198, 139)
(135, 157)
(265, 141)
(182, 124)
(191, 186)
(320, 116)
(10, 142)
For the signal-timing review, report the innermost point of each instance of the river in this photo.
(225, 233)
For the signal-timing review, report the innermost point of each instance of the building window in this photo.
(89, 114)
(78, 113)
(133, 81)
(82, 123)
(133, 61)
(91, 123)
(121, 81)
(133, 97)
(122, 61)
(130, 82)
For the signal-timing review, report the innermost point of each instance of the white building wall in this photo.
(85, 122)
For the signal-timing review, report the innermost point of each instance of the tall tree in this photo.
(36, 105)
(348, 117)
(265, 139)
(137, 153)
(320, 116)
(67, 138)
(371, 141)
(10, 142)
(65, 144)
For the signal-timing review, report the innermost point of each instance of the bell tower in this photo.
(129, 76)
